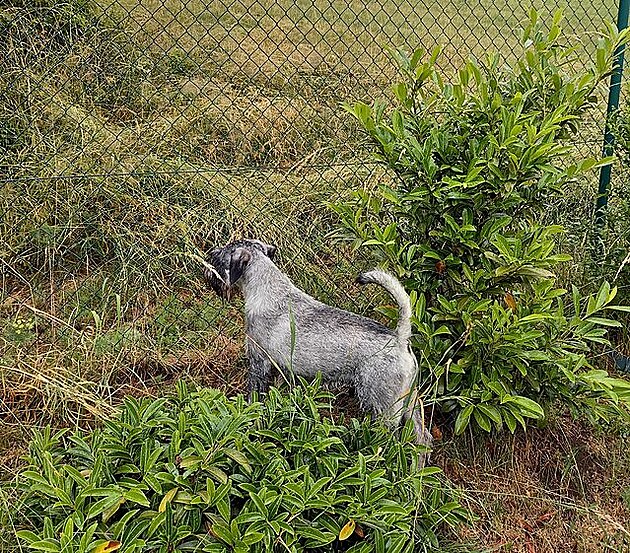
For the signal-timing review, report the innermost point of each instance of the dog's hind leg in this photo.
(424, 438)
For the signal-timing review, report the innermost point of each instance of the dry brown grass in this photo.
(559, 489)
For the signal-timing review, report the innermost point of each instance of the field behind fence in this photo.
(134, 135)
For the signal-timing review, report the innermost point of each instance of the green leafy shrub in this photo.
(614, 259)
(475, 162)
(206, 473)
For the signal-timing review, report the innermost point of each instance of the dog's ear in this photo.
(267, 249)
(238, 262)
(271, 251)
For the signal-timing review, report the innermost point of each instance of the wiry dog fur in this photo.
(343, 346)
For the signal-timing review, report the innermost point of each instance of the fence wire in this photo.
(133, 133)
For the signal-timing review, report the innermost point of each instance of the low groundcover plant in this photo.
(203, 472)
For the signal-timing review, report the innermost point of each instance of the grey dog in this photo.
(289, 330)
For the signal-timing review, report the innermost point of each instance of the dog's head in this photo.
(226, 265)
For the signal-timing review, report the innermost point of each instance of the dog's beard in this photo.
(220, 287)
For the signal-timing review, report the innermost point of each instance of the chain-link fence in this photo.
(133, 133)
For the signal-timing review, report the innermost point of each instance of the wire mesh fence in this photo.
(133, 133)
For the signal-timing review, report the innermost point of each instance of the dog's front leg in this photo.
(259, 371)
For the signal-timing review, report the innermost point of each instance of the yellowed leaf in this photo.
(347, 530)
(510, 301)
(170, 494)
(108, 547)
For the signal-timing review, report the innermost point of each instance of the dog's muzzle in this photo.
(217, 283)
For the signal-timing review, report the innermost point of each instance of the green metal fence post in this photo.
(613, 104)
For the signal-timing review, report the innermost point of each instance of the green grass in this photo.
(272, 37)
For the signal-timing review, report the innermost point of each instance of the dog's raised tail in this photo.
(393, 286)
